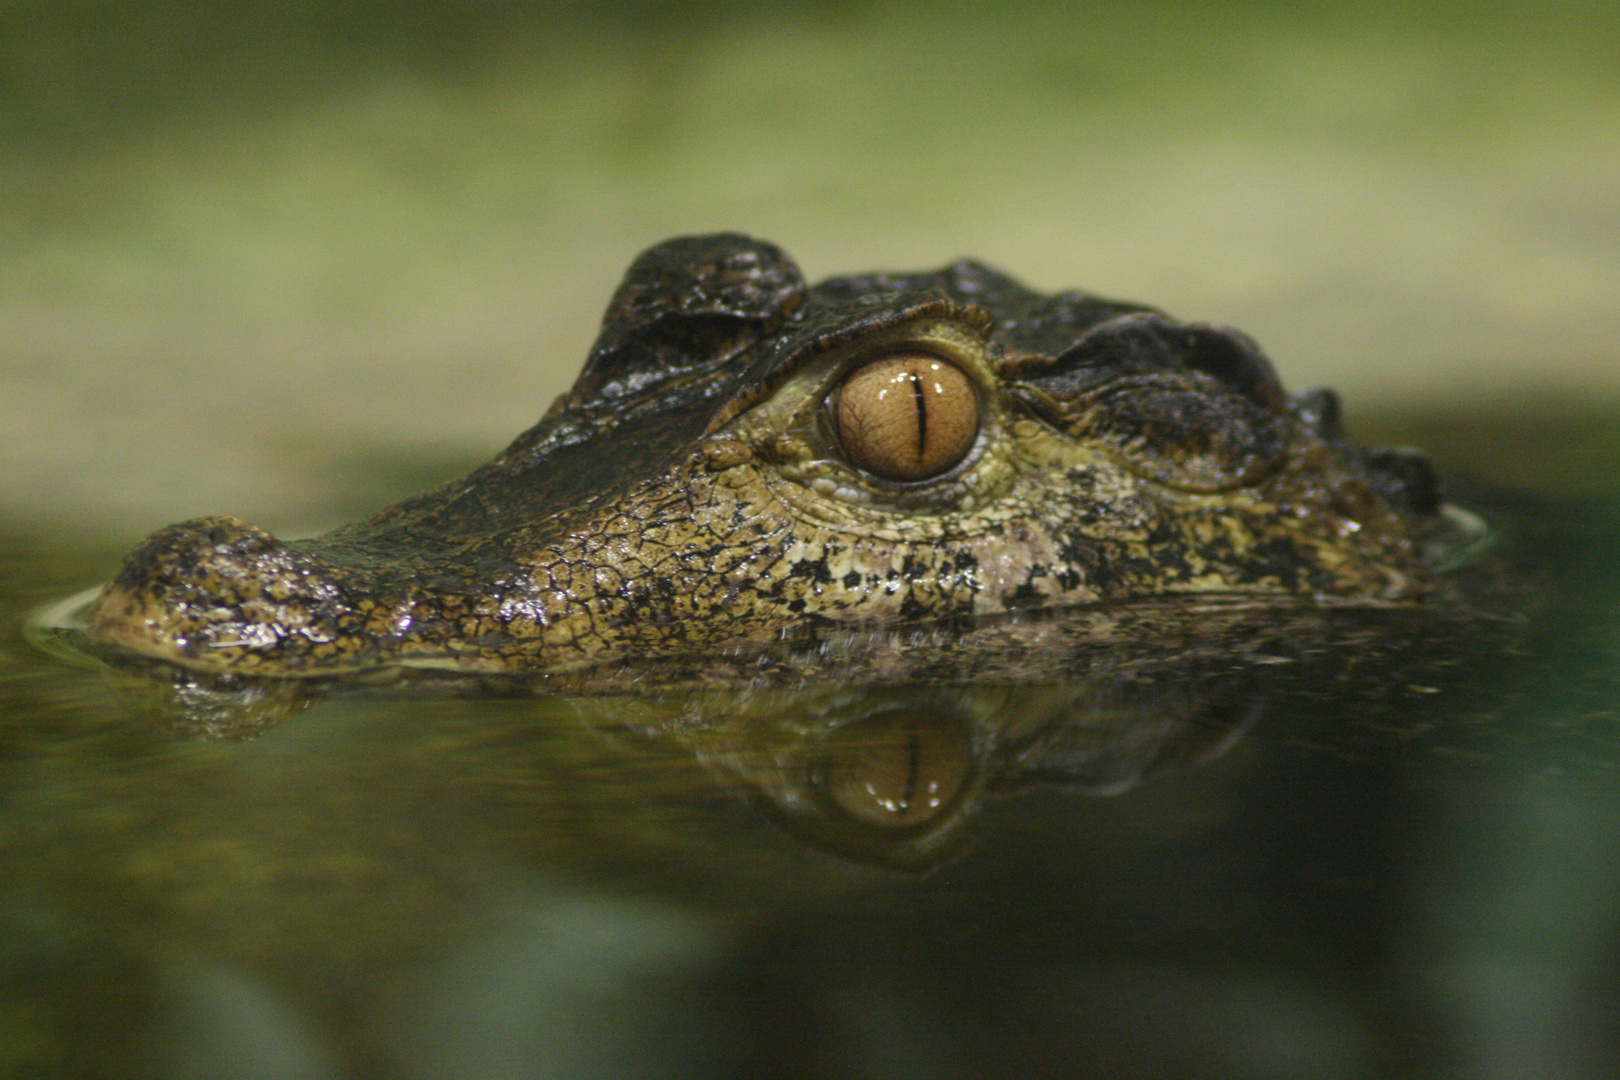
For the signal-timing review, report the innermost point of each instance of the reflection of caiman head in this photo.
(890, 776)
(881, 745)
(885, 760)
(880, 748)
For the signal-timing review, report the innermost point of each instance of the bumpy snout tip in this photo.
(218, 594)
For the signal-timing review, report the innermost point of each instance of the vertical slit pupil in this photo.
(922, 412)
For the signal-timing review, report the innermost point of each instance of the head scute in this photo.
(688, 304)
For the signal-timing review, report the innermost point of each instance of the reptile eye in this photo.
(906, 417)
(899, 769)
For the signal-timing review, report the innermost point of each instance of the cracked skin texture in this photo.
(697, 490)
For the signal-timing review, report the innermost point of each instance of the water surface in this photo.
(1390, 847)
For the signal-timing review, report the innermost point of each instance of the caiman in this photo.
(748, 460)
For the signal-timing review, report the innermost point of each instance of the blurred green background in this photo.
(272, 258)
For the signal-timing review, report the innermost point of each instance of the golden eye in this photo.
(906, 417)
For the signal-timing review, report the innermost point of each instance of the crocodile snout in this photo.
(219, 594)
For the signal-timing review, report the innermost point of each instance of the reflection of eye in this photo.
(897, 769)
(906, 417)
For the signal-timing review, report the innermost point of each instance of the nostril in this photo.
(217, 593)
(196, 552)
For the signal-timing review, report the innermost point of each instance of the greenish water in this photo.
(1391, 850)
(294, 260)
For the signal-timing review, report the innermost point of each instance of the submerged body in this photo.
(746, 459)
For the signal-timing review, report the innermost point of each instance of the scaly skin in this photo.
(689, 495)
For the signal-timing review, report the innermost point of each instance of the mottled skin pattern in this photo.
(689, 495)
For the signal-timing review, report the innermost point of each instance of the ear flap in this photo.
(1194, 407)
(1235, 359)
(1146, 342)
(688, 303)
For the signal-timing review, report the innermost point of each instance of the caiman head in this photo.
(746, 460)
